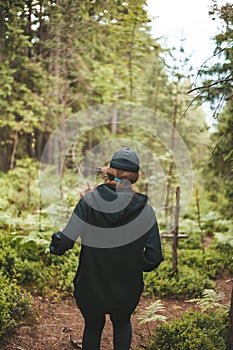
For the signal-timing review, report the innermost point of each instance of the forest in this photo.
(79, 79)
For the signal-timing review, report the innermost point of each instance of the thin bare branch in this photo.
(221, 139)
(206, 87)
(229, 97)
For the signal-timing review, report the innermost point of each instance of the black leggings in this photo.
(94, 324)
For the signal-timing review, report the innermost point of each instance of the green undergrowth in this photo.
(25, 260)
(197, 270)
(15, 304)
(34, 268)
(193, 331)
(187, 283)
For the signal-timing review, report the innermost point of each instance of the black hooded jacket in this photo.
(120, 239)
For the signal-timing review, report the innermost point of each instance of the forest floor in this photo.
(58, 324)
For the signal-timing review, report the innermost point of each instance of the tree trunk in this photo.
(2, 33)
(199, 221)
(229, 345)
(16, 140)
(29, 26)
(114, 120)
(171, 165)
(130, 63)
(175, 232)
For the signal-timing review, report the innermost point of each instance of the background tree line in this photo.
(58, 57)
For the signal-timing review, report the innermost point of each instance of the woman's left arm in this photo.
(60, 243)
(64, 240)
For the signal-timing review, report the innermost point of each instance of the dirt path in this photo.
(59, 324)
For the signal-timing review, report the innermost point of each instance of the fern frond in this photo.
(225, 238)
(210, 300)
(151, 313)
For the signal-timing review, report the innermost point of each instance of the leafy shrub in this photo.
(21, 187)
(191, 257)
(27, 260)
(191, 228)
(193, 331)
(8, 260)
(28, 272)
(216, 260)
(226, 252)
(214, 263)
(187, 283)
(14, 304)
(14, 262)
(67, 268)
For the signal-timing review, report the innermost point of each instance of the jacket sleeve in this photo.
(64, 240)
(60, 243)
(152, 255)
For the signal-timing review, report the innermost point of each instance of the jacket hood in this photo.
(118, 204)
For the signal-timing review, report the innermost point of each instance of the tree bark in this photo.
(175, 232)
(16, 140)
(171, 165)
(130, 63)
(199, 221)
(2, 32)
(229, 345)
(114, 121)
(29, 26)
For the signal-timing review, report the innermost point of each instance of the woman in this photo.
(120, 239)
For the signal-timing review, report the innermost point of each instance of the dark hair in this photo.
(111, 173)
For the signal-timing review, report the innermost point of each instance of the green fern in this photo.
(35, 238)
(210, 300)
(225, 238)
(152, 313)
